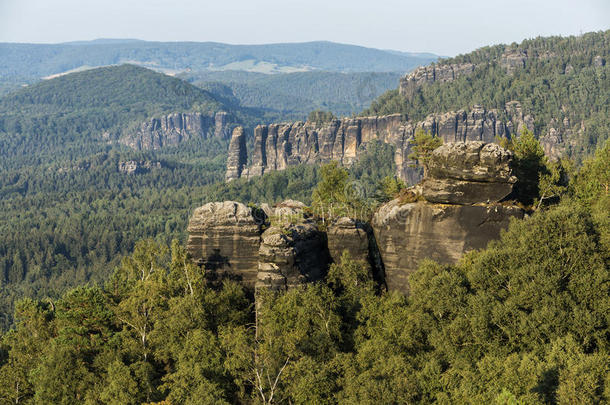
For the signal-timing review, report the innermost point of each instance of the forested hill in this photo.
(292, 96)
(39, 60)
(132, 87)
(70, 206)
(563, 83)
(79, 114)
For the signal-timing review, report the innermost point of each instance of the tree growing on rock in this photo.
(423, 143)
(336, 196)
(320, 116)
(537, 177)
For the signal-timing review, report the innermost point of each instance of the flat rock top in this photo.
(288, 234)
(221, 213)
(344, 222)
(472, 161)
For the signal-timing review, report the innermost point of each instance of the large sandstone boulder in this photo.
(460, 210)
(347, 234)
(468, 173)
(224, 238)
(407, 234)
(290, 255)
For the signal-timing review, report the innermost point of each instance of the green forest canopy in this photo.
(508, 324)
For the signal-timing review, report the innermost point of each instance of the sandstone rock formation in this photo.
(446, 224)
(238, 157)
(458, 210)
(430, 74)
(347, 234)
(468, 173)
(278, 146)
(137, 166)
(175, 128)
(224, 238)
(513, 59)
(510, 60)
(222, 125)
(409, 233)
(291, 254)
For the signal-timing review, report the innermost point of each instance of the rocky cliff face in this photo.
(175, 128)
(459, 211)
(347, 234)
(460, 207)
(224, 238)
(137, 166)
(510, 60)
(238, 155)
(227, 240)
(278, 146)
(291, 254)
(430, 74)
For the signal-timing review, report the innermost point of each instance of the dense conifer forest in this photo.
(508, 324)
(562, 81)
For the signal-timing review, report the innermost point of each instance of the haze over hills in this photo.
(338, 77)
(28, 61)
(66, 116)
(292, 96)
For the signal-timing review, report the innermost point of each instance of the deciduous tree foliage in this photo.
(523, 321)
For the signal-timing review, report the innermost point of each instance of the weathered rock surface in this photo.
(447, 224)
(347, 234)
(291, 254)
(468, 173)
(278, 146)
(451, 191)
(238, 156)
(473, 161)
(430, 74)
(409, 233)
(137, 166)
(222, 125)
(224, 238)
(513, 59)
(175, 128)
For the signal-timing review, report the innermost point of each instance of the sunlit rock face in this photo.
(278, 146)
(468, 173)
(237, 159)
(229, 239)
(224, 238)
(175, 128)
(459, 210)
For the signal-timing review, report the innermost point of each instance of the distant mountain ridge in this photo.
(292, 96)
(39, 60)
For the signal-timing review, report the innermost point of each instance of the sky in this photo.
(444, 27)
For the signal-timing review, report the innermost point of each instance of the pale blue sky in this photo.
(445, 27)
